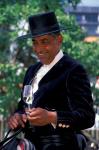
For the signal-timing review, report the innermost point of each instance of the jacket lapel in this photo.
(56, 70)
(32, 72)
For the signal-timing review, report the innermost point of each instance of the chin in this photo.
(45, 62)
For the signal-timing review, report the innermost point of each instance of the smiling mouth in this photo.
(42, 54)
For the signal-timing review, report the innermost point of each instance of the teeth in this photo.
(41, 54)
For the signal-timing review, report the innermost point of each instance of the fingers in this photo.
(35, 112)
(30, 111)
(31, 114)
(12, 122)
(24, 117)
(22, 120)
(38, 116)
(17, 120)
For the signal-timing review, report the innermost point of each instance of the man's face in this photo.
(46, 47)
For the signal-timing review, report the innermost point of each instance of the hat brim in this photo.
(29, 35)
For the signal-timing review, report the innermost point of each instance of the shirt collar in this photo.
(56, 59)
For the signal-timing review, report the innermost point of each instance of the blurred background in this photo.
(80, 18)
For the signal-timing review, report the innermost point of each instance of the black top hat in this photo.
(44, 23)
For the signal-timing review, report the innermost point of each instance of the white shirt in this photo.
(44, 69)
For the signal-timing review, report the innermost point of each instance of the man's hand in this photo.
(41, 117)
(17, 120)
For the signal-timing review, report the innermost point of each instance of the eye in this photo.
(45, 41)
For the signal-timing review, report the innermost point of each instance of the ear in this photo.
(60, 38)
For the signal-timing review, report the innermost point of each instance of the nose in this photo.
(38, 48)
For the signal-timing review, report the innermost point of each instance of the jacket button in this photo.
(63, 126)
(67, 126)
(60, 124)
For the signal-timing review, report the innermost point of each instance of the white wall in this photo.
(89, 2)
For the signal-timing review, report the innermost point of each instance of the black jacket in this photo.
(65, 89)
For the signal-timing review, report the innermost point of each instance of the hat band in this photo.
(43, 30)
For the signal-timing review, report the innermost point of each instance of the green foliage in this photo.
(11, 13)
(52, 5)
(10, 86)
(87, 54)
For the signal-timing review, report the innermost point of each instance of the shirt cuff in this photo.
(54, 125)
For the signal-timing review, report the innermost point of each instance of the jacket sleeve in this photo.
(81, 115)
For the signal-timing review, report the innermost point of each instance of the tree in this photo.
(10, 86)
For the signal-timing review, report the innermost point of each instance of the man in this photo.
(62, 104)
